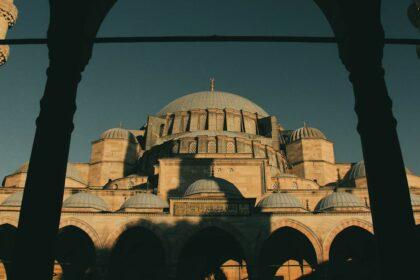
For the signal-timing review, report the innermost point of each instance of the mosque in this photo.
(211, 187)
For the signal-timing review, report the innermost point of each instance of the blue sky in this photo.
(127, 82)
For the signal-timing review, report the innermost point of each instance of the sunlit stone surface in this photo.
(211, 187)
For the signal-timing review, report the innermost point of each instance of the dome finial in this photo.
(212, 84)
(304, 124)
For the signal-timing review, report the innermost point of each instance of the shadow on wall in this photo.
(205, 244)
(212, 248)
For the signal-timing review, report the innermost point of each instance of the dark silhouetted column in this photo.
(73, 26)
(360, 36)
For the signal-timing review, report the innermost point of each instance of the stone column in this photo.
(8, 17)
(72, 29)
(360, 37)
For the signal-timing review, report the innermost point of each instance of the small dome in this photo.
(415, 199)
(213, 186)
(358, 171)
(307, 132)
(279, 200)
(72, 171)
(13, 200)
(119, 133)
(85, 200)
(338, 200)
(144, 200)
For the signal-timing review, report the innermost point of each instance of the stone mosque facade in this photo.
(211, 187)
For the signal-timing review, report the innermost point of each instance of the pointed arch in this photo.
(84, 226)
(112, 238)
(302, 228)
(9, 220)
(339, 228)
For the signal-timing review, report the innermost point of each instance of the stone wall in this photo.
(112, 159)
(248, 175)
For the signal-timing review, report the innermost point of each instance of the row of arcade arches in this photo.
(210, 252)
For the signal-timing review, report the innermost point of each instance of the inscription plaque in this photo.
(211, 209)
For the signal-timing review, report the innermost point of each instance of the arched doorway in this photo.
(352, 255)
(287, 254)
(75, 253)
(138, 254)
(7, 240)
(212, 253)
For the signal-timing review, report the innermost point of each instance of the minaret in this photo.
(8, 16)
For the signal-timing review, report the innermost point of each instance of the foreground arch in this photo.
(7, 240)
(287, 253)
(339, 228)
(138, 254)
(87, 228)
(212, 253)
(352, 255)
(75, 253)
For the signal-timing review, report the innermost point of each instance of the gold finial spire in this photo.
(121, 125)
(304, 124)
(212, 84)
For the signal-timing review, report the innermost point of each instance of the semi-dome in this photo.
(358, 171)
(13, 200)
(213, 186)
(307, 132)
(279, 200)
(212, 100)
(145, 201)
(338, 200)
(85, 200)
(118, 133)
(72, 172)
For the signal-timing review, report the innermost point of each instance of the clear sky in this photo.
(126, 82)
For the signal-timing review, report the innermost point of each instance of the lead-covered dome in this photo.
(118, 133)
(307, 132)
(213, 187)
(13, 200)
(280, 200)
(144, 201)
(212, 100)
(85, 200)
(358, 171)
(339, 200)
(72, 172)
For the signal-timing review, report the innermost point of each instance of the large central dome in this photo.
(213, 100)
